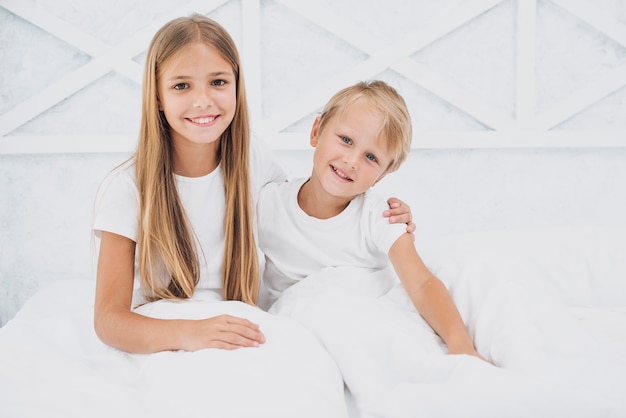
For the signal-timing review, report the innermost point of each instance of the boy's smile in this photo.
(349, 158)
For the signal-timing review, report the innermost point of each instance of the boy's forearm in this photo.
(435, 304)
(430, 296)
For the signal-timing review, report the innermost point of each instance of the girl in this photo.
(178, 215)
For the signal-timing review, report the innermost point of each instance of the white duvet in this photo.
(521, 312)
(548, 307)
(53, 365)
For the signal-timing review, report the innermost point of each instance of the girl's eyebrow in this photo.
(213, 74)
(221, 73)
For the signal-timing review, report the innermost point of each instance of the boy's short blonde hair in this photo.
(396, 129)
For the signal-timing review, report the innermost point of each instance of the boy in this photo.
(331, 218)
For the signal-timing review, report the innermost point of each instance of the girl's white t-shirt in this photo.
(117, 210)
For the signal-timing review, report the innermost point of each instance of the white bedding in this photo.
(544, 307)
(53, 365)
(547, 306)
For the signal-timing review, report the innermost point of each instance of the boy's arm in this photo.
(430, 297)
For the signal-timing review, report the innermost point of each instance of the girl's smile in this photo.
(203, 121)
(197, 93)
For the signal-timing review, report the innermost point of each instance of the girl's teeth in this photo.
(203, 120)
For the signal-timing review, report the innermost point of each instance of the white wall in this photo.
(519, 109)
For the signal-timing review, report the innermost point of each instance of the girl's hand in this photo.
(400, 212)
(224, 331)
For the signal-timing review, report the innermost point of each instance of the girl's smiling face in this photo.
(197, 94)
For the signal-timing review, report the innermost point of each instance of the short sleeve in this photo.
(382, 233)
(264, 166)
(116, 206)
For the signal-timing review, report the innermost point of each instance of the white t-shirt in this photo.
(297, 245)
(117, 210)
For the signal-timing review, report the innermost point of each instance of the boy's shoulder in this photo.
(276, 192)
(372, 200)
(284, 186)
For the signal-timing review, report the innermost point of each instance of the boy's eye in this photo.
(371, 157)
(181, 86)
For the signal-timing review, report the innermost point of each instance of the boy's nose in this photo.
(350, 159)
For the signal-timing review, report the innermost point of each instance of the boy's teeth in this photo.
(343, 176)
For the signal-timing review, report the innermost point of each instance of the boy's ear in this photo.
(315, 132)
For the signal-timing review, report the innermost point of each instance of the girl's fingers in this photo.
(239, 332)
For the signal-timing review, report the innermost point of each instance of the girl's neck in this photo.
(196, 160)
(316, 202)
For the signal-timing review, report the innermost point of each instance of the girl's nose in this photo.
(202, 98)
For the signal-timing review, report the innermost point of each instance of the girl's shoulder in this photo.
(122, 176)
(116, 207)
(264, 165)
(126, 170)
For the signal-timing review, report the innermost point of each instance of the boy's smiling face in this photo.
(350, 156)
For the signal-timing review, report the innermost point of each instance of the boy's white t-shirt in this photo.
(117, 210)
(297, 245)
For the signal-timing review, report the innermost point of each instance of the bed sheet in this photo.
(53, 365)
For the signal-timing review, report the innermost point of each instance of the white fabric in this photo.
(296, 244)
(514, 297)
(53, 365)
(548, 306)
(117, 210)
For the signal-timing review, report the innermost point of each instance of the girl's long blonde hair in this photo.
(168, 263)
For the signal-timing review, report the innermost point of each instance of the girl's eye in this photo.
(346, 140)
(218, 82)
(181, 86)
(371, 157)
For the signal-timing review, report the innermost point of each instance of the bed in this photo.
(548, 306)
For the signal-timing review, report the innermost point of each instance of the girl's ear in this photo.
(315, 132)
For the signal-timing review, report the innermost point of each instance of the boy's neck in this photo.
(316, 202)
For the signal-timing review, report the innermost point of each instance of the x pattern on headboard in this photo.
(527, 119)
